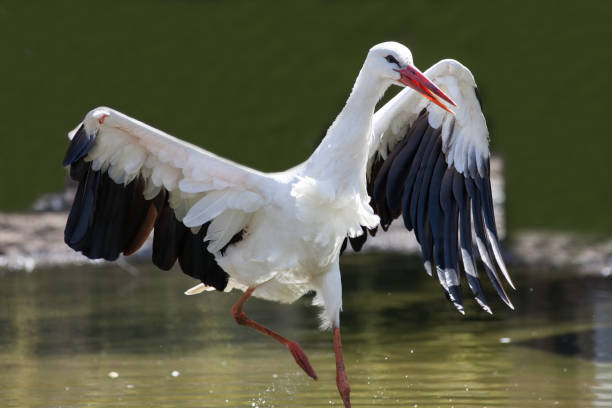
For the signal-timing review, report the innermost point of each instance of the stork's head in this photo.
(392, 62)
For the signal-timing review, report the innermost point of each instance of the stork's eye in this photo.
(391, 59)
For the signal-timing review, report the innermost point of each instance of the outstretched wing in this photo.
(134, 178)
(432, 168)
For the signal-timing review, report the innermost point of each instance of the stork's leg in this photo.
(297, 352)
(341, 378)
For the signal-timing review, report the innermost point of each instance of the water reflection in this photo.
(63, 331)
(588, 344)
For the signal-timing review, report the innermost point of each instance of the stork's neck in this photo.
(343, 154)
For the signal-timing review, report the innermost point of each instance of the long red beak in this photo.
(415, 79)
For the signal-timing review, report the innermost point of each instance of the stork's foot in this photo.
(343, 387)
(341, 379)
(301, 359)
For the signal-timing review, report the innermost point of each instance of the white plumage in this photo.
(470, 138)
(280, 235)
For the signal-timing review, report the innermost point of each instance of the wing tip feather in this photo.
(428, 268)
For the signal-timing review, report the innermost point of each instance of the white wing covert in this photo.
(134, 178)
(432, 168)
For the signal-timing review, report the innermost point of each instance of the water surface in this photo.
(63, 331)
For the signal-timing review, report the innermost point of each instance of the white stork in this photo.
(278, 236)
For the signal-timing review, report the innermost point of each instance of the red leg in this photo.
(341, 378)
(297, 352)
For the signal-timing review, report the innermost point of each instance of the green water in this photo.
(63, 331)
(269, 77)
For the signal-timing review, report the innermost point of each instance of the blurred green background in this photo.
(259, 82)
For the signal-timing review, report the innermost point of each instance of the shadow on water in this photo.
(583, 301)
(63, 331)
(591, 344)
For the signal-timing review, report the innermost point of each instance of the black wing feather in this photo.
(137, 211)
(357, 242)
(422, 225)
(168, 237)
(81, 216)
(421, 184)
(107, 219)
(465, 226)
(484, 248)
(411, 177)
(100, 219)
(451, 265)
(378, 186)
(402, 164)
(441, 205)
(429, 163)
(80, 145)
(486, 196)
(436, 218)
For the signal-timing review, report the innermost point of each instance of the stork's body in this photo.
(280, 235)
(324, 200)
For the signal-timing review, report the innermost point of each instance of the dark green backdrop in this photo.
(259, 82)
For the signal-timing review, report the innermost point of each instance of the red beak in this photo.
(415, 79)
